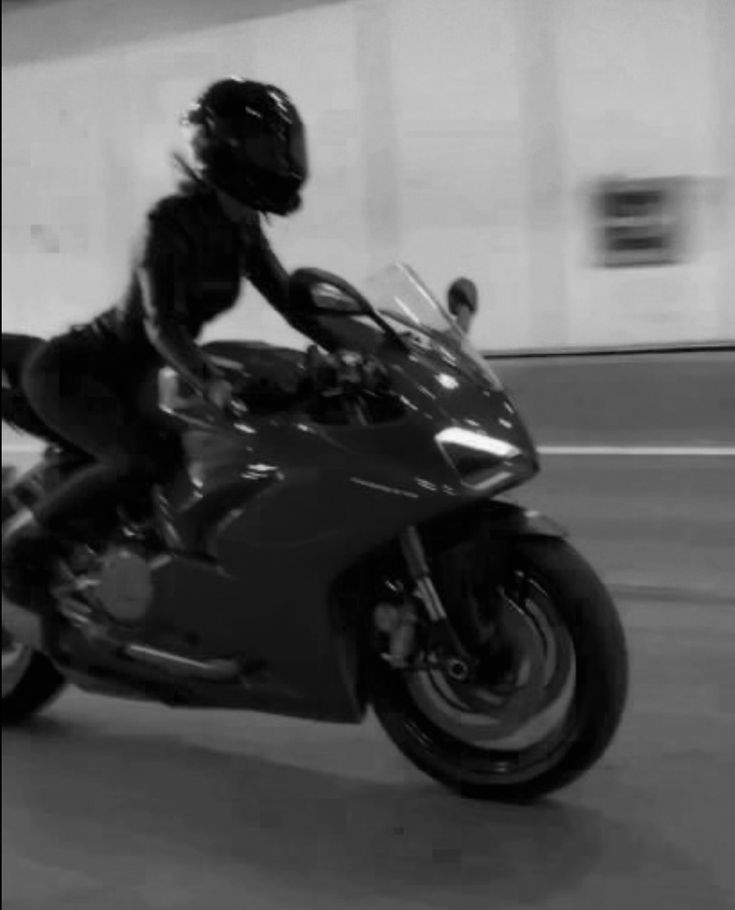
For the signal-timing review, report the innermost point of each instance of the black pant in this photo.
(86, 389)
(16, 411)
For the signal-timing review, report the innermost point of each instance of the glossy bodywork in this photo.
(271, 512)
(267, 515)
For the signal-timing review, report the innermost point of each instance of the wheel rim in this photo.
(524, 719)
(15, 661)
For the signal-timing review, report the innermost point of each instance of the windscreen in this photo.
(404, 301)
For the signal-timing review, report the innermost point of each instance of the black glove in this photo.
(219, 392)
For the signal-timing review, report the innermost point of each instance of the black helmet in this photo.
(248, 140)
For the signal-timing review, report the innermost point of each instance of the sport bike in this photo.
(340, 539)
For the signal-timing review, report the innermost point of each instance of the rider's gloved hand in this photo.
(226, 396)
(219, 392)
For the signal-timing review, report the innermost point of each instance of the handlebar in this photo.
(344, 372)
(326, 375)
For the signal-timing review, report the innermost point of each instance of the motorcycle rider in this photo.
(248, 159)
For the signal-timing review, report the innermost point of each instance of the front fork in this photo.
(443, 646)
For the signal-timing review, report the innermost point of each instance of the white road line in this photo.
(642, 451)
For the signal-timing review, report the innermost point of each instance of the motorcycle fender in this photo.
(508, 519)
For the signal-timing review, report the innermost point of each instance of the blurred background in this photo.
(576, 158)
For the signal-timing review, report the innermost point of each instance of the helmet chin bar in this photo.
(249, 187)
(250, 194)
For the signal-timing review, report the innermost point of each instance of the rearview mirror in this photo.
(462, 303)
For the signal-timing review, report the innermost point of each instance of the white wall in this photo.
(457, 134)
(639, 97)
(95, 152)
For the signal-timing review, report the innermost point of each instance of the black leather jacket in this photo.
(188, 271)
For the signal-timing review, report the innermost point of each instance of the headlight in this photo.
(456, 438)
(477, 458)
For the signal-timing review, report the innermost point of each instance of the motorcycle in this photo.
(350, 547)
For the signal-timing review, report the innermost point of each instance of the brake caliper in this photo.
(398, 623)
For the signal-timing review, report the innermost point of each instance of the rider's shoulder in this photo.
(178, 204)
(181, 213)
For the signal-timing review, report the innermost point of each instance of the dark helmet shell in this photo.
(248, 140)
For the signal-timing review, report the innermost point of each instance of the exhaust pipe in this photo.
(214, 670)
(26, 627)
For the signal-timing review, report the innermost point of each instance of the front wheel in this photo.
(537, 717)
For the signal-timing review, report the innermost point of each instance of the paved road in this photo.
(113, 805)
(661, 523)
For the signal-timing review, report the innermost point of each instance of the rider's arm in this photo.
(271, 279)
(162, 275)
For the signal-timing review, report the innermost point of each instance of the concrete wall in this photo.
(459, 135)
(683, 399)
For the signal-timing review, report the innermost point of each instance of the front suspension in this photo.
(443, 646)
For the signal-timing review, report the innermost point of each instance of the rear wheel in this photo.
(539, 712)
(29, 681)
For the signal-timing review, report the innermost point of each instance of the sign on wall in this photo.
(640, 222)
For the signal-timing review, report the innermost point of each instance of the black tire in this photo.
(586, 611)
(40, 684)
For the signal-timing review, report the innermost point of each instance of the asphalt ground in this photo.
(649, 524)
(117, 806)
